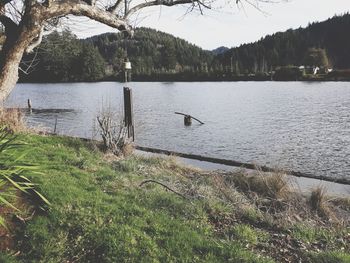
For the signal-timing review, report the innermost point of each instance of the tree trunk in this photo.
(11, 59)
(12, 52)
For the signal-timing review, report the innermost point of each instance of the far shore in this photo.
(203, 78)
(179, 80)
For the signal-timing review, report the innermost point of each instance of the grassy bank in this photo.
(105, 209)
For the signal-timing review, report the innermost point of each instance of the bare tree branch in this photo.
(37, 42)
(156, 3)
(113, 9)
(78, 8)
(30, 65)
(162, 184)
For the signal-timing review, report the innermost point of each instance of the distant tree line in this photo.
(159, 56)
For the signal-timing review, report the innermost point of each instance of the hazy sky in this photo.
(231, 26)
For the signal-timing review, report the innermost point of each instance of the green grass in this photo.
(312, 234)
(330, 238)
(329, 257)
(98, 212)
(244, 234)
(6, 258)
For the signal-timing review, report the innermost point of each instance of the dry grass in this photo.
(12, 119)
(253, 196)
(269, 197)
(274, 185)
(226, 190)
(319, 201)
(127, 149)
(343, 202)
(271, 185)
(172, 163)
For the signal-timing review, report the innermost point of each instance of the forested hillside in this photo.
(159, 56)
(152, 52)
(63, 57)
(292, 48)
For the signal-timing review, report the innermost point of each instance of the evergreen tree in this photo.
(92, 64)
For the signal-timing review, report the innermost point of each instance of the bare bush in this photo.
(113, 133)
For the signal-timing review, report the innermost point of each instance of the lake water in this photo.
(291, 125)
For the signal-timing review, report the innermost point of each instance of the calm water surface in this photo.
(291, 125)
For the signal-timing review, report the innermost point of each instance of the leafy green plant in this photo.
(12, 170)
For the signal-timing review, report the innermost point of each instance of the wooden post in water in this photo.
(29, 106)
(55, 128)
(128, 112)
(128, 107)
(187, 120)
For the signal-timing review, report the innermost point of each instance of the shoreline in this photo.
(301, 183)
(189, 80)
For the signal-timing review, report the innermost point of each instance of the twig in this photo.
(24, 220)
(165, 186)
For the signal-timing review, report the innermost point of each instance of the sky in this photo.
(230, 26)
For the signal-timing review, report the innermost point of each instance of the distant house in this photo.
(314, 70)
(302, 69)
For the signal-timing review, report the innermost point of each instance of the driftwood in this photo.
(243, 165)
(165, 186)
(189, 116)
